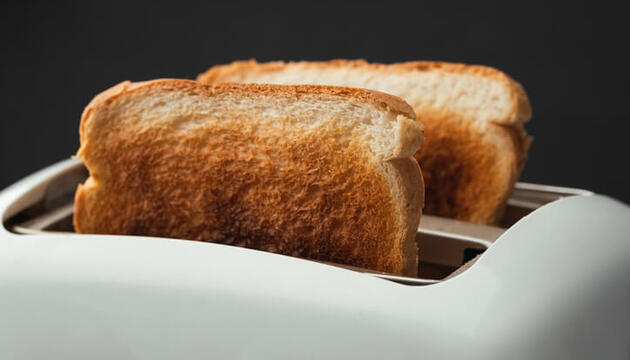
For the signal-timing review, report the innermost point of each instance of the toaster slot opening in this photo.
(441, 256)
(527, 197)
(446, 247)
(443, 245)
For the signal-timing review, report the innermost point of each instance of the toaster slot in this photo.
(442, 255)
(446, 247)
(56, 220)
(53, 210)
(527, 197)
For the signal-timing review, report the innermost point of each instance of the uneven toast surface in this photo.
(308, 171)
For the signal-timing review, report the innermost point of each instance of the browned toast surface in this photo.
(296, 170)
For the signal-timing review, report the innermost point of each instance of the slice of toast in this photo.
(473, 117)
(317, 172)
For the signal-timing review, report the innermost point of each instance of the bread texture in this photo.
(475, 143)
(317, 172)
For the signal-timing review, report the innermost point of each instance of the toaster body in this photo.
(554, 285)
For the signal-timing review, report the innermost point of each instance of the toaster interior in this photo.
(446, 247)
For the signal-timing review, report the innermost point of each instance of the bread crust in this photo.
(231, 180)
(375, 98)
(521, 109)
(406, 174)
(469, 168)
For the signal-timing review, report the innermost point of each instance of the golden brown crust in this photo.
(297, 193)
(469, 169)
(377, 99)
(521, 105)
(408, 174)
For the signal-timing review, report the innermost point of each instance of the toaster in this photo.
(551, 282)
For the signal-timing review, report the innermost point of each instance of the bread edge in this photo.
(521, 107)
(405, 173)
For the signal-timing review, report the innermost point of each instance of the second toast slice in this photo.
(473, 118)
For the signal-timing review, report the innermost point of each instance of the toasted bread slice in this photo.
(473, 116)
(318, 172)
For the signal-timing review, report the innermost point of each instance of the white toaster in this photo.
(552, 283)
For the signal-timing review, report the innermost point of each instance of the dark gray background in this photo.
(56, 57)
